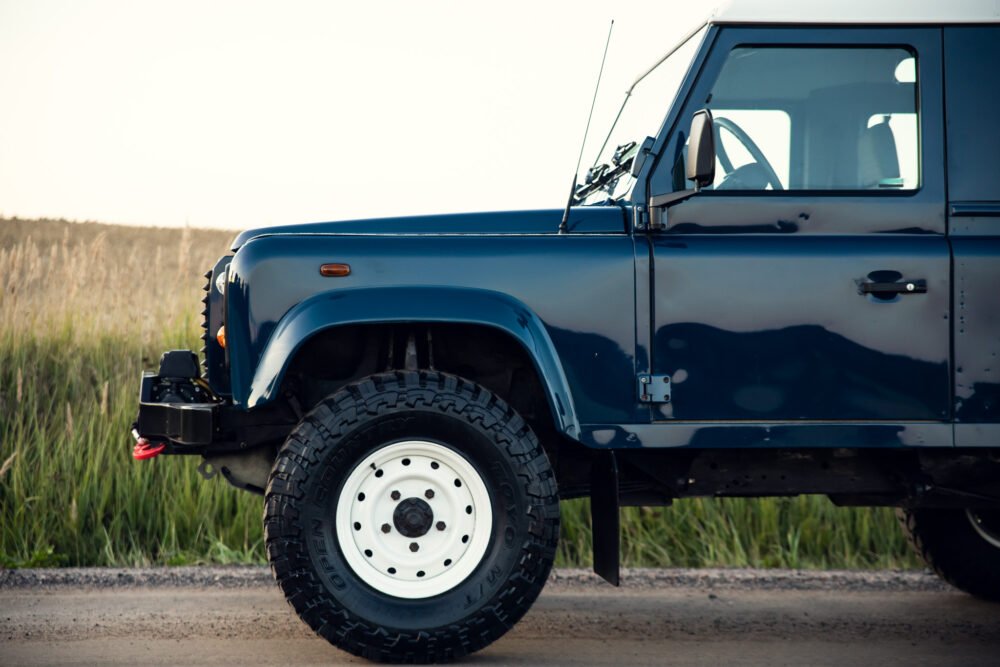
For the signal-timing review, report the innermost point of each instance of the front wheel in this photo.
(961, 545)
(411, 517)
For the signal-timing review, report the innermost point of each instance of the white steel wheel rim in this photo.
(984, 531)
(391, 487)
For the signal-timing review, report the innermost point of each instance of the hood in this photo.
(582, 220)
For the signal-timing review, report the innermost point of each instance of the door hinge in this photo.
(654, 388)
(640, 217)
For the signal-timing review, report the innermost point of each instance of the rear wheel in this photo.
(961, 545)
(411, 517)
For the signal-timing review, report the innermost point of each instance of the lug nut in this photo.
(386, 528)
(440, 525)
(428, 494)
(414, 546)
(395, 495)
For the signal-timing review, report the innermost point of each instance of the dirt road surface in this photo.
(220, 616)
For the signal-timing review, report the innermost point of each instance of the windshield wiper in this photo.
(606, 176)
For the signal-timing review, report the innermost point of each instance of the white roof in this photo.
(858, 11)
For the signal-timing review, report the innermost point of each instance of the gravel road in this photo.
(215, 616)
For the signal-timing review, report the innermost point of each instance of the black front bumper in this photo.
(176, 422)
(176, 406)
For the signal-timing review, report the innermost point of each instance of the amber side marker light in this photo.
(335, 270)
(221, 336)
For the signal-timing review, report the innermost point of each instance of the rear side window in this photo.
(972, 87)
(816, 118)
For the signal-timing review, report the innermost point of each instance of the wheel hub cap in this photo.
(413, 517)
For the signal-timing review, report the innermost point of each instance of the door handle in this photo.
(901, 287)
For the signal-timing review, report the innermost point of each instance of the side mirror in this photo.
(700, 166)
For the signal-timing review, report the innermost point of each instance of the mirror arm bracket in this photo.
(671, 198)
(658, 205)
(700, 168)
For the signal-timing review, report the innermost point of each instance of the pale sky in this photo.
(236, 114)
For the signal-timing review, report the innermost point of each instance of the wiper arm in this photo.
(602, 176)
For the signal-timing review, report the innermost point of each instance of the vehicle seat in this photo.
(878, 161)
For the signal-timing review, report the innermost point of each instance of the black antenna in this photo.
(586, 131)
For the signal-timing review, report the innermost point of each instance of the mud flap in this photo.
(604, 516)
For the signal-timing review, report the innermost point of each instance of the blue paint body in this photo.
(750, 302)
(526, 284)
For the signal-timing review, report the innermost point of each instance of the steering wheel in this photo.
(769, 174)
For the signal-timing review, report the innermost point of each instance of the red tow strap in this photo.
(144, 449)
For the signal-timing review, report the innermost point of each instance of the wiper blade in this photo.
(605, 176)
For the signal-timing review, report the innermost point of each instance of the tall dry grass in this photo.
(85, 307)
(97, 280)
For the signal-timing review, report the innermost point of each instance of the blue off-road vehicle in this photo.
(792, 286)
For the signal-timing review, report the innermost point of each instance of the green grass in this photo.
(802, 532)
(72, 495)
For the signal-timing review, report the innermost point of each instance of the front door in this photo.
(811, 280)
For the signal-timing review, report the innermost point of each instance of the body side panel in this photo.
(580, 287)
(972, 87)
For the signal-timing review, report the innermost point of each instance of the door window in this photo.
(816, 118)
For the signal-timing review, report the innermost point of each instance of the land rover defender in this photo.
(791, 286)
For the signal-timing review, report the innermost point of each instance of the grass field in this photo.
(85, 307)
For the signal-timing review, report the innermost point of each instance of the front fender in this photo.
(413, 304)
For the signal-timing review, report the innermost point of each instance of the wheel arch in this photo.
(415, 305)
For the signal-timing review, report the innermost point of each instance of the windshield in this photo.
(643, 110)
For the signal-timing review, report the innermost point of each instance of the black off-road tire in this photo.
(946, 540)
(315, 463)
